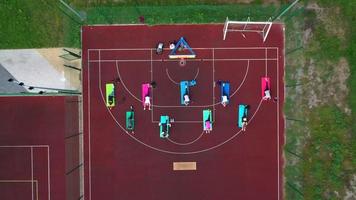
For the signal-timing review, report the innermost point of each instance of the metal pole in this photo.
(71, 9)
(297, 120)
(293, 153)
(294, 188)
(69, 66)
(286, 10)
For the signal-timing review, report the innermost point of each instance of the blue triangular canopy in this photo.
(182, 42)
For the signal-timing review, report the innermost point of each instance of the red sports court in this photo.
(39, 148)
(226, 163)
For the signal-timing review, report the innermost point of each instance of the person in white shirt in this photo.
(244, 123)
(267, 94)
(147, 103)
(224, 101)
(186, 99)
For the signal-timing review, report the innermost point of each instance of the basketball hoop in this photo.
(182, 62)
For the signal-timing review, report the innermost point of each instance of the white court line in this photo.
(139, 100)
(17, 181)
(151, 88)
(215, 103)
(89, 163)
(191, 60)
(23, 181)
(180, 106)
(199, 48)
(123, 49)
(278, 124)
(48, 162)
(36, 190)
(266, 61)
(164, 106)
(170, 152)
(183, 106)
(24, 146)
(213, 84)
(243, 80)
(122, 82)
(175, 82)
(186, 143)
(32, 170)
(49, 174)
(180, 121)
(170, 78)
(162, 150)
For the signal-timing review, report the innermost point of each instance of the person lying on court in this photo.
(186, 97)
(164, 130)
(225, 92)
(147, 103)
(224, 100)
(267, 93)
(110, 95)
(265, 88)
(146, 99)
(184, 91)
(165, 126)
(244, 123)
(208, 127)
(243, 116)
(207, 121)
(111, 98)
(130, 120)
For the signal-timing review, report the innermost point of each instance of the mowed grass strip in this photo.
(328, 154)
(166, 14)
(30, 24)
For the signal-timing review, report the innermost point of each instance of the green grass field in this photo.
(30, 24)
(320, 148)
(165, 15)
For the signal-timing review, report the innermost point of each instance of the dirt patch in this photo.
(351, 191)
(339, 79)
(327, 87)
(331, 18)
(313, 6)
(307, 35)
(235, 1)
(249, 1)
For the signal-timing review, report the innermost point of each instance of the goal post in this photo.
(247, 26)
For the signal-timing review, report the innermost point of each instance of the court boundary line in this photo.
(32, 169)
(89, 129)
(213, 84)
(167, 151)
(199, 48)
(23, 181)
(164, 106)
(48, 162)
(278, 104)
(152, 114)
(191, 60)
